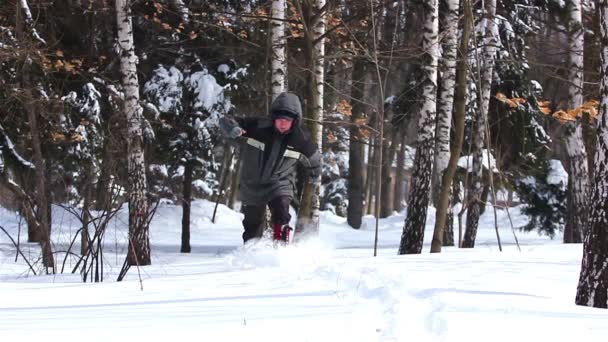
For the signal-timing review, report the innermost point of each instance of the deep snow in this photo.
(328, 288)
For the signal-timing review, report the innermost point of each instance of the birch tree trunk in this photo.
(356, 160)
(182, 9)
(592, 287)
(475, 187)
(277, 64)
(415, 221)
(308, 216)
(574, 143)
(446, 158)
(447, 70)
(139, 240)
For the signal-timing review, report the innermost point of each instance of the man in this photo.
(271, 149)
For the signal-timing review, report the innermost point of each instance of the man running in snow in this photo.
(271, 149)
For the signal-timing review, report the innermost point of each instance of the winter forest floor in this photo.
(329, 288)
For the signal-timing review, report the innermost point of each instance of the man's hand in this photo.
(231, 128)
(236, 132)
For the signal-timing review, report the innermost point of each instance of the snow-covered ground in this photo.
(329, 288)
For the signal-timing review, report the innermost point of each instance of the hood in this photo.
(288, 102)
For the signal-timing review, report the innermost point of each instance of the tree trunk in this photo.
(308, 215)
(42, 201)
(86, 214)
(356, 160)
(575, 146)
(400, 172)
(370, 178)
(103, 193)
(186, 201)
(24, 200)
(42, 231)
(278, 60)
(475, 187)
(388, 146)
(592, 287)
(443, 157)
(234, 183)
(182, 9)
(418, 200)
(139, 240)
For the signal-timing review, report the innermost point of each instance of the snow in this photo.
(557, 174)
(466, 162)
(328, 288)
(165, 88)
(208, 91)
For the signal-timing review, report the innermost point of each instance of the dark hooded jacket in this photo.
(269, 158)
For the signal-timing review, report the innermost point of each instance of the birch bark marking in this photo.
(308, 217)
(139, 240)
(476, 189)
(575, 147)
(444, 114)
(592, 287)
(277, 64)
(415, 221)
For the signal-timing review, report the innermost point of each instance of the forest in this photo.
(466, 106)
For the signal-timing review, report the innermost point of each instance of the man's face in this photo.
(283, 125)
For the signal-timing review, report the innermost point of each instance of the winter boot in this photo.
(277, 232)
(286, 234)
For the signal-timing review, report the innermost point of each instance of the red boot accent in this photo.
(277, 232)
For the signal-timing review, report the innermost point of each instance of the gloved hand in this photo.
(235, 132)
(230, 128)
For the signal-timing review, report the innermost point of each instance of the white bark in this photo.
(592, 287)
(487, 67)
(139, 244)
(317, 103)
(448, 79)
(308, 217)
(575, 148)
(182, 9)
(576, 42)
(29, 20)
(415, 221)
(278, 60)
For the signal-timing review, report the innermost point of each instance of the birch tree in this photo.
(592, 287)
(444, 117)
(413, 230)
(314, 30)
(575, 147)
(475, 186)
(277, 64)
(139, 240)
